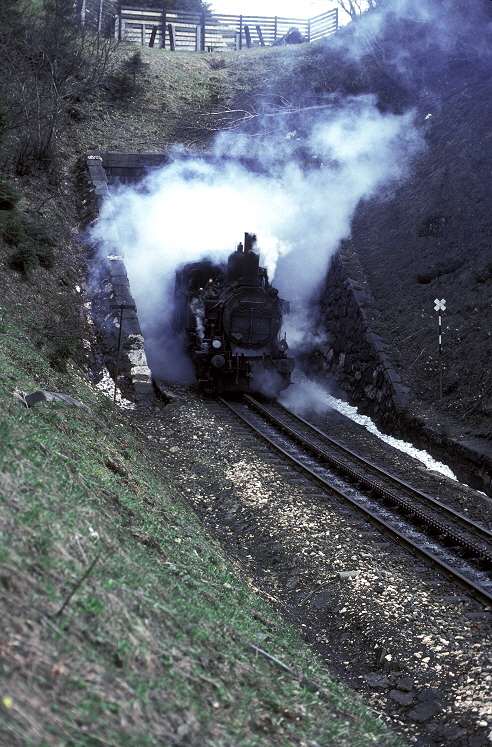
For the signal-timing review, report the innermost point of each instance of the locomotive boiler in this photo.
(231, 319)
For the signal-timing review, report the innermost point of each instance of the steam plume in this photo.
(300, 206)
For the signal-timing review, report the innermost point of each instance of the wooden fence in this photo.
(180, 30)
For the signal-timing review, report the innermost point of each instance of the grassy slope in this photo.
(121, 621)
(152, 648)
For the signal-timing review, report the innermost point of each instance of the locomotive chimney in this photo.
(244, 263)
(249, 242)
(251, 264)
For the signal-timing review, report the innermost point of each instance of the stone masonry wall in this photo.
(359, 361)
(353, 354)
(109, 291)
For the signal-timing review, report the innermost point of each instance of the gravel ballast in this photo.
(411, 644)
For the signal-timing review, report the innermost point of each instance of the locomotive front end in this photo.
(233, 325)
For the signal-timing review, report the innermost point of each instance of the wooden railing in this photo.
(180, 30)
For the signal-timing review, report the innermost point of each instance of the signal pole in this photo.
(440, 305)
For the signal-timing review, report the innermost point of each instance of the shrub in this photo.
(43, 239)
(8, 195)
(61, 354)
(45, 255)
(13, 232)
(25, 258)
(33, 240)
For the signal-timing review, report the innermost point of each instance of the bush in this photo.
(8, 195)
(25, 258)
(45, 255)
(44, 241)
(13, 232)
(61, 354)
(122, 84)
(33, 240)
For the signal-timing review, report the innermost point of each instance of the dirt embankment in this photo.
(432, 239)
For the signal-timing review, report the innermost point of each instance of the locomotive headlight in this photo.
(218, 361)
(282, 345)
(217, 344)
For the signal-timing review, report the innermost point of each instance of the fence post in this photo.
(121, 29)
(275, 30)
(260, 35)
(336, 19)
(240, 32)
(198, 38)
(144, 34)
(172, 36)
(203, 31)
(248, 37)
(163, 32)
(309, 30)
(153, 34)
(99, 16)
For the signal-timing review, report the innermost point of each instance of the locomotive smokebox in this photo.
(231, 323)
(244, 264)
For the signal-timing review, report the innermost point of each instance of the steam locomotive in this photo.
(231, 318)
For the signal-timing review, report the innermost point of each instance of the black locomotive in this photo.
(231, 317)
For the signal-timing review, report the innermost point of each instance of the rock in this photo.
(479, 740)
(404, 699)
(452, 732)
(376, 679)
(455, 599)
(405, 684)
(292, 582)
(322, 600)
(425, 711)
(116, 466)
(430, 693)
(347, 575)
(478, 615)
(43, 396)
(163, 392)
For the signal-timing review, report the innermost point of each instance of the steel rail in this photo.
(398, 482)
(434, 561)
(484, 553)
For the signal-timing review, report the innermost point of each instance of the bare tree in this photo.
(49, 64)
(355, 8)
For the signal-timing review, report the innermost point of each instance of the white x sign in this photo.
(440, 305)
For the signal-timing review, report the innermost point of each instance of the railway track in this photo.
(456, 547)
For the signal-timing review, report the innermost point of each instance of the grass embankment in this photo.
(122, 622)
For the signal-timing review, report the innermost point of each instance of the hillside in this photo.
(123, 621)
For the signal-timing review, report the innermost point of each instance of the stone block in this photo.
(144, 390)
(96, 171)
(400, 400)
(117, 268)
(122, 160)
(131, 326)
(393, 376)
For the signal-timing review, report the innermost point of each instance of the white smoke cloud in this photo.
(192, 208)
(412, 30)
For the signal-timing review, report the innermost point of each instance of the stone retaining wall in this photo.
(355, 356)
(360, 362)
(110, 300)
